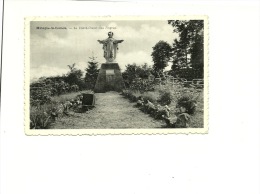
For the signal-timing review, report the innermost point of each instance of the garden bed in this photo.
(164, 100)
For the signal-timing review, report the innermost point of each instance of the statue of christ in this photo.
(110, 47)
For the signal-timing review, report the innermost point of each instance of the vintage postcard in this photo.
(116, 75)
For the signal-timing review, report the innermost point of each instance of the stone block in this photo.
(109, 78)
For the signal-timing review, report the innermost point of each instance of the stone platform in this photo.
(109, 78)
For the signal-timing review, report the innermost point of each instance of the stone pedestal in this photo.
(109, 78)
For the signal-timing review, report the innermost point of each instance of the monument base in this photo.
(109, 78)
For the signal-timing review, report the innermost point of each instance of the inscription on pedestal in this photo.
(110, 72)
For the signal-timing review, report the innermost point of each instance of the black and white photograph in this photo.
(130, 97)
(117, 74)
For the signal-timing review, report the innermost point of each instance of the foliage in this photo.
(142, 85)
(187, 73)
(42, 91)
(74, 76)
(165, 100)
(197, 57)
(161, 55)
(91, 73)
(188, 49)
(133, 72)
(151, 96)
(131, 95)
(42, 116)
(44, 106)
(188, 103)
(39, 119)
(165, 97)
(166, 94)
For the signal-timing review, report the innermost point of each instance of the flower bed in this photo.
(43, 115)
(169, 102)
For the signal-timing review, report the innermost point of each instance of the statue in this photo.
(110, 47)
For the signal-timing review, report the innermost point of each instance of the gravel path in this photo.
(111, 111)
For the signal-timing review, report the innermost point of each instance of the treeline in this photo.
(185, 53)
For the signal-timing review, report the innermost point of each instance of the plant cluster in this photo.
(134, 73)
(43, 115)
(142, 85)
(42, 91)
(148, 104)
(165, 102)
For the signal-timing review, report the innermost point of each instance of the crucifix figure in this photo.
(110, 47)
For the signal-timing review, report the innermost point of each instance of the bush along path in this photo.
(43, 114)
(111, 110)
(178, 116)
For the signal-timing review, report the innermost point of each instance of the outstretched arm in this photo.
(118, 41)
(102, 41)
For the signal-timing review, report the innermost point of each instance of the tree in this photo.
(134, 71)
(144, 71)
(161, 55)
(197, 57)
(72, 67)
(130, 73)
(91, 73)
(188, 48)
(74, 75)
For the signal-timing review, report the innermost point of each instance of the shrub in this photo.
(151, 96)
(142, 85)
(165, 98)
(134, 71)
(41, 117)
(188, 103)
(131, 95)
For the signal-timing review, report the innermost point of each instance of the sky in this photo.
(52, 50)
